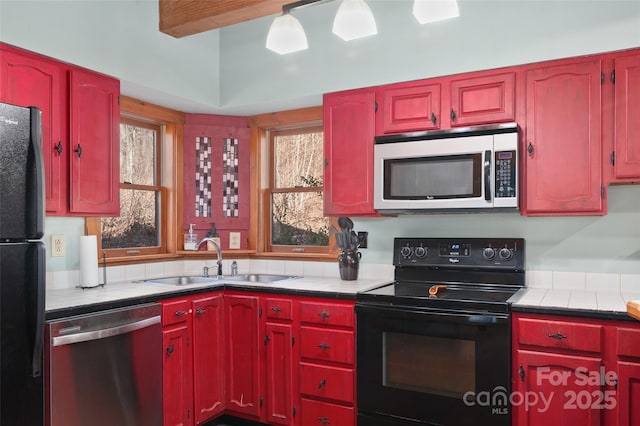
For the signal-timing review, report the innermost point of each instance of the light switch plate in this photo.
(234, 240)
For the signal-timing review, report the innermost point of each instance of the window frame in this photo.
(262, 181)
(169, 169)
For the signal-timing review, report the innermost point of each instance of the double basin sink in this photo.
(187, 280)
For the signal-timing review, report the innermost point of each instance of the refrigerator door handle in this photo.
(38, 335)
(35, 141)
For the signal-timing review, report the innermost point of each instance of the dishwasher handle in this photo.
(105, 332)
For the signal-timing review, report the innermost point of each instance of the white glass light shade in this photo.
(286, 35)
(434, 10)
(354, 19)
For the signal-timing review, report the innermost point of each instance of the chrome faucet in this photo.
(205, 271)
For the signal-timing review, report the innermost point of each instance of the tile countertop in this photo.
(72, 301)
(606, 304)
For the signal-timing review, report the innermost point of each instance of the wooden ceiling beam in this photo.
(180, 18)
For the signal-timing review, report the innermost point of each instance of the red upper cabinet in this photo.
(562, 141)
(627, 118)
(482, 100)
(79, 108)
(208, 357)
(349, 127)
(409, 107)
(28, 80)
(95, 142)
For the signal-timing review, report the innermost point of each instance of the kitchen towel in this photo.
(88, 261)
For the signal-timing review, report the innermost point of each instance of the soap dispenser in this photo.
(213, 234)
(191, 239)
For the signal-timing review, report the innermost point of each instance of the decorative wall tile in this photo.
(230, 178)
(203, 177)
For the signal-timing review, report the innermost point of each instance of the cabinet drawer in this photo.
(327, 382)
(278, 308)
(560, 334)
(628, 342)
(323, 413)
(175, 312)
(327, 345)
(327, 314)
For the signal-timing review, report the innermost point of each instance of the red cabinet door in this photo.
(95, 140)
(278, 344)
(628, 393)
(482, 100)
(176, 377)
(243, 355)
(627, 110)
(562, 397)
(562, 144)
(208, 357)
(409, 108)
(349, 125)
(26, 80)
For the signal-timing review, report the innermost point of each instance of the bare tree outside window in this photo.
(297, 187)
(138, 223)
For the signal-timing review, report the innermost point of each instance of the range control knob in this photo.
(421, 252)
(488, 253)
(405, 251)
(505, 254)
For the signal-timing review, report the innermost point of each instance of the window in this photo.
(138, 228)
(287, 177)
(296, 187)
(149, 142)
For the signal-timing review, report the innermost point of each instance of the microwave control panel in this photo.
(506, 174)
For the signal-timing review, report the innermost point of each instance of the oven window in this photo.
(455, 176)
(433, 365)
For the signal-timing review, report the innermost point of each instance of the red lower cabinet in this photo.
(193, 368)
(575, 371)
(324, 413)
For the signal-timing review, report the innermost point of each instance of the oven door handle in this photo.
(418, 313)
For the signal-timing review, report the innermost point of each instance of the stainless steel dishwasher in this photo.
(105, 369)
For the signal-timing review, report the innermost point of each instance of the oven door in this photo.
(435, 368)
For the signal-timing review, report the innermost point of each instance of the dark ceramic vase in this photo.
(348, 264)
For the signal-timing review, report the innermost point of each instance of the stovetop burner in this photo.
(463, 274)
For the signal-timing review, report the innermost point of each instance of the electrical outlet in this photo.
(57, 245)
(234, 240)
(362, 239)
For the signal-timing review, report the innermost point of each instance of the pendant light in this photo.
(353, 20)
(286, 35)
(434, 10)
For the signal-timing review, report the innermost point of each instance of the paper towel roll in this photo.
(88, 261)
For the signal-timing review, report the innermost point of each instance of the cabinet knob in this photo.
(170, 349)
(521, 373)
(276, 309)
(323, 315)
(78, 151)
(200, 311)
(453, 115)
(58, 148)
(323, 346)
(322, 383)
(179, 313)
(557, 336)
(530, 149)
(434, 119)
(324, 420)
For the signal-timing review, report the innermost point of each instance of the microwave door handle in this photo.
(487, 175)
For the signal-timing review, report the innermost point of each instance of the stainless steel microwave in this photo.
(450, 170)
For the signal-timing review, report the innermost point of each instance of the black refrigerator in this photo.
(22, 267)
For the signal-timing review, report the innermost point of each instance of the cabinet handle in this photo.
(453, 115)
(78, 151)
(58, 148)
(324, 420)
(179, 313)
(322, 383)
(557, 336)
(266, 340)
(323, 346)
(200, 311)
(170, 349)
(324, 315)
(276, 309)
(521, 373)
(530, 149)
(434, 119)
